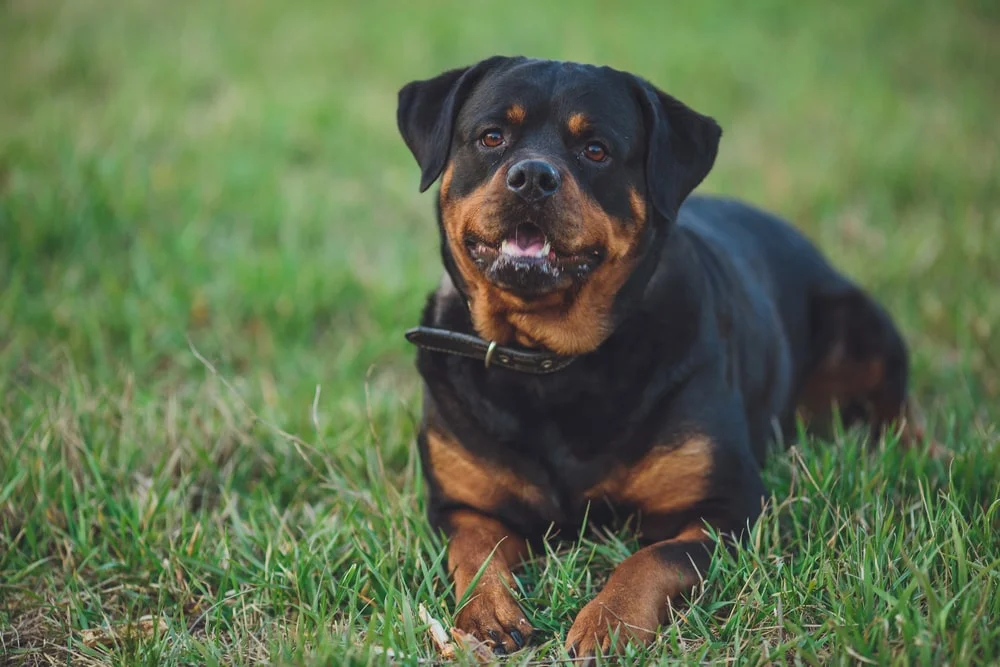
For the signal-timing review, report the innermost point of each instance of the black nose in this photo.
(533, 180)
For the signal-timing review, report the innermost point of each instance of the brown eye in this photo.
(596, 152)
(491, 138)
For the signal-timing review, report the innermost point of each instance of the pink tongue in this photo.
(528, 238)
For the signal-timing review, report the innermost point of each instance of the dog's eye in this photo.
(596, 152)
(491, 138)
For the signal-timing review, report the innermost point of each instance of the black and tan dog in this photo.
(600, 342)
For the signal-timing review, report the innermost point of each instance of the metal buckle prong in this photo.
(489, 353)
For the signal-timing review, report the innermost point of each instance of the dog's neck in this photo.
(663, 323)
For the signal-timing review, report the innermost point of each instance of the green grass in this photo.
(225, 180)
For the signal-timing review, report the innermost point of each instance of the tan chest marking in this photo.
(468, 479)
(667, 479)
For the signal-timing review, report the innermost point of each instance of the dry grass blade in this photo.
(480, 650)
(146, 627)
(438, 635)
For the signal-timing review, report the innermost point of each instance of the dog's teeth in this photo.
(511, 248)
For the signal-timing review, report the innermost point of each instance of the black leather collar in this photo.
(488, 352)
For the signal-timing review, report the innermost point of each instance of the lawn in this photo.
(211, 241)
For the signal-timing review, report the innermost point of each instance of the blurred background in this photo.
(211, 241)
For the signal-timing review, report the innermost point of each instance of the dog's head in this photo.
(554, 178)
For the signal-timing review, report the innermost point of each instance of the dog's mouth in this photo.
(527, 261)
(528, 241)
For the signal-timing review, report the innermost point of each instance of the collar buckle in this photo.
(488, 352)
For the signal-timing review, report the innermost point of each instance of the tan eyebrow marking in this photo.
(578, 123)
(515, 114)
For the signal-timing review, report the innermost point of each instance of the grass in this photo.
(211, 241)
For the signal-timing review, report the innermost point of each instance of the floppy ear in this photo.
(682, 148)
(426, 115)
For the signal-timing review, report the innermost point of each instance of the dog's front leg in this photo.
(635, 599)
(491, 613)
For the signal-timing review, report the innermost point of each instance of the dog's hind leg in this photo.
(859, 364)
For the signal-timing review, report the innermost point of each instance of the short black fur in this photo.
(728, 312)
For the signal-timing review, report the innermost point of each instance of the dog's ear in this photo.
(426, 114)
(682, 145)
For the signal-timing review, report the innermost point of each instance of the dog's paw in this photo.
(609, 622)
(492, 615)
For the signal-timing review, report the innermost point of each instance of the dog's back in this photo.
(841, 344)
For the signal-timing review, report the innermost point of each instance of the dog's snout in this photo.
(533, 180)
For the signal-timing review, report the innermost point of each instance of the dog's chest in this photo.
(666, 480)
(610, 484)
(574, 441)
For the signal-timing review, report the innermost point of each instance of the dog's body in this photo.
(691, 331)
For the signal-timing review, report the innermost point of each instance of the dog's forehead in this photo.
(556, 91)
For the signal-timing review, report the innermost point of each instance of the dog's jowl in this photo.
(604, 345)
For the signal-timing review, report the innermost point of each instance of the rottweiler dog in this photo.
(603, 345)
